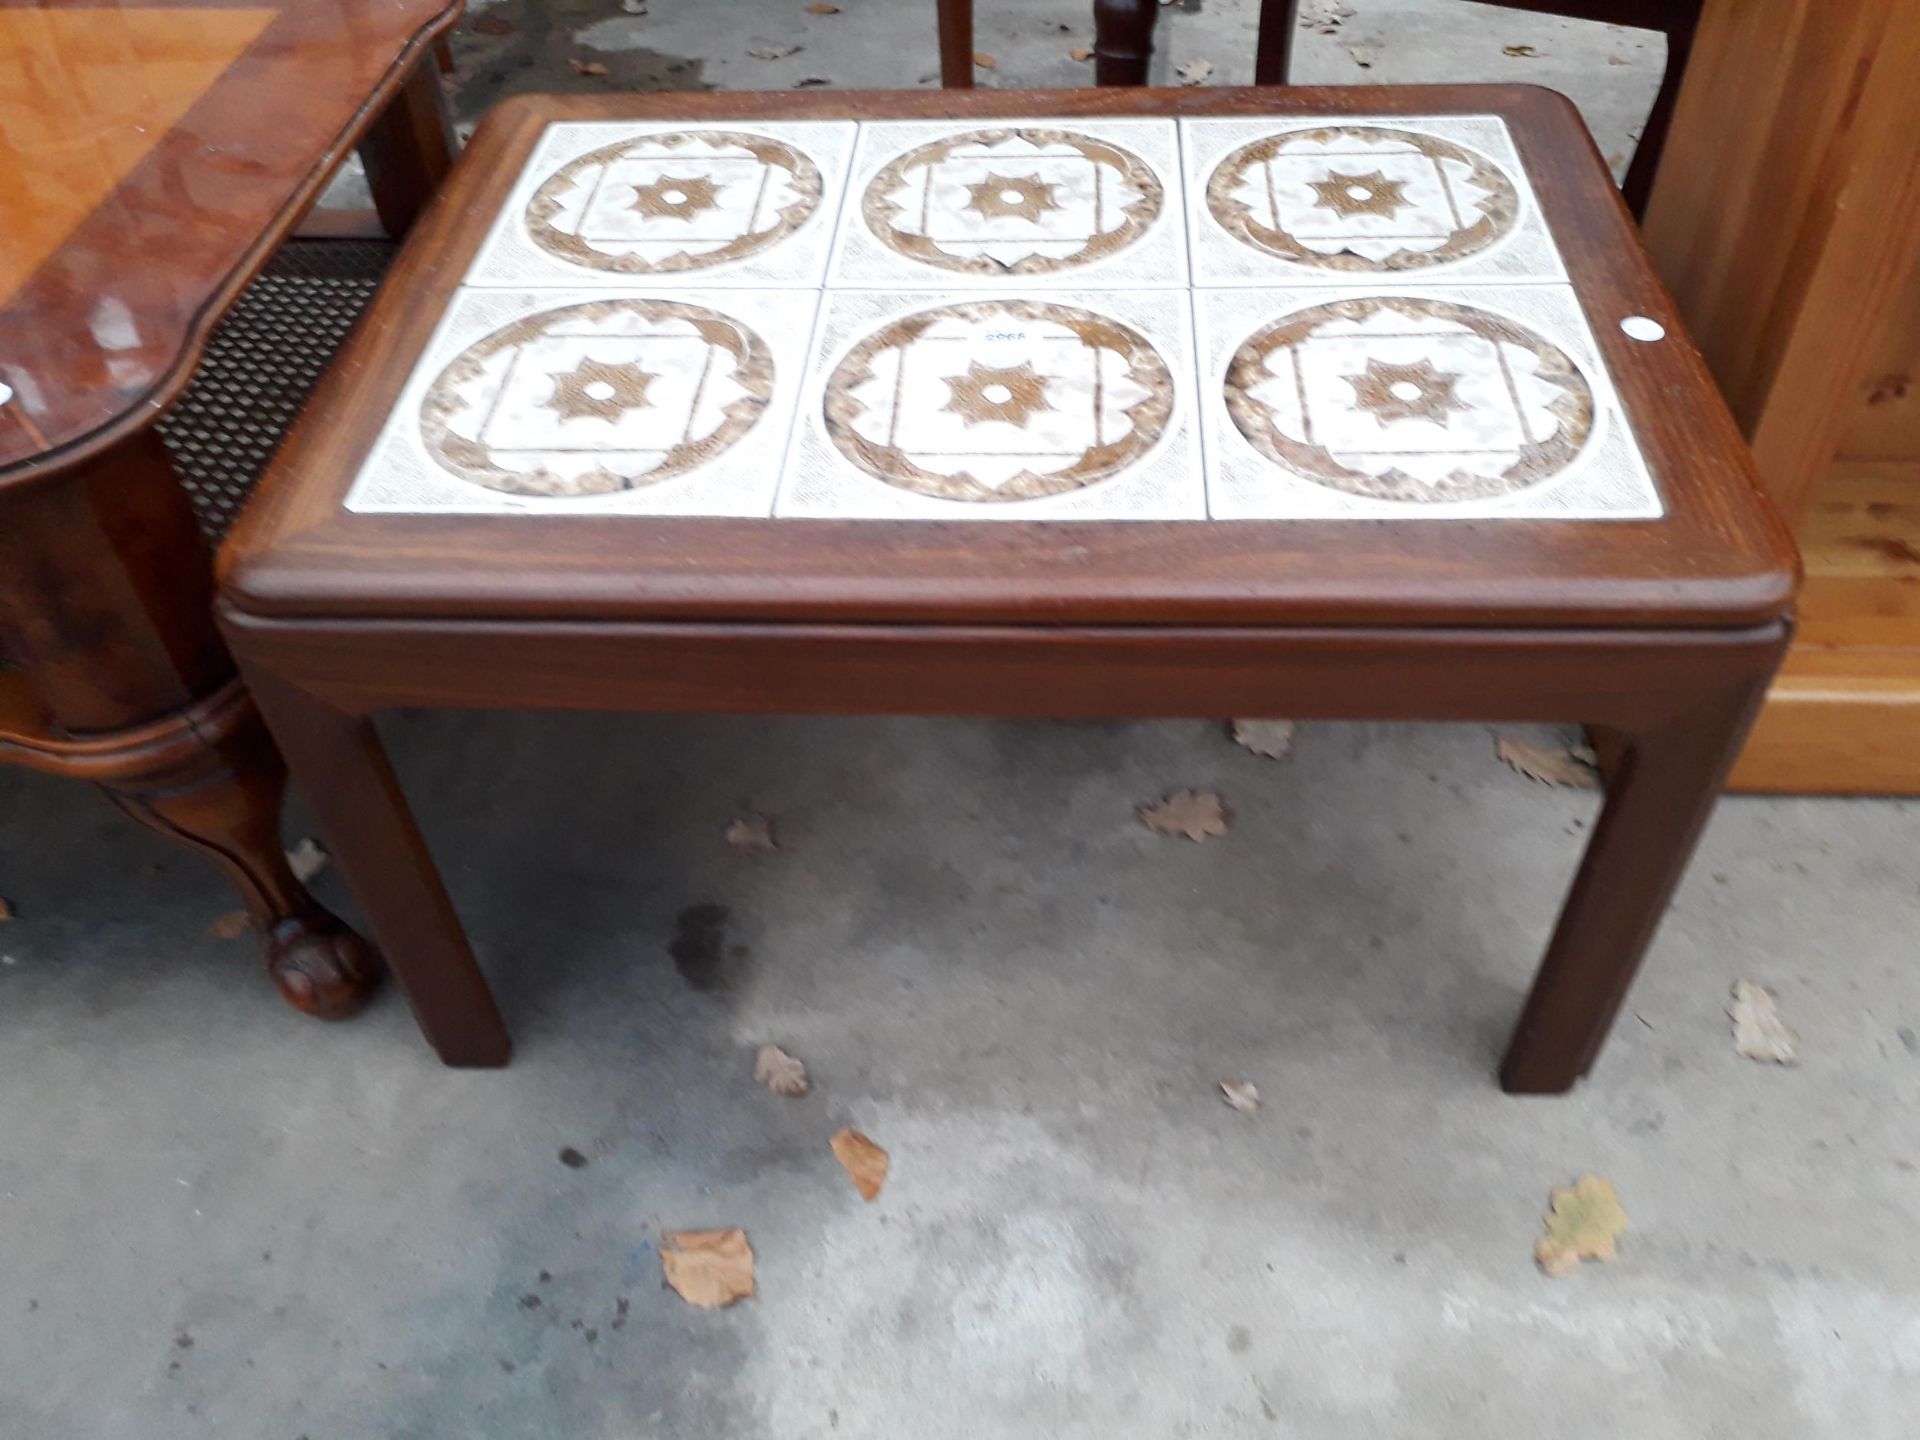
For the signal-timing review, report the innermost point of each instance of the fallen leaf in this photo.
(1271, 738)
(1616, 160)
(1241, 1095)
(779, 1072)
(586, 67)
(863, 1160)
(1523, 51)
(1363, 55)
(1585, 1220)
(492, 25)
(708, 1268)
(230, 926)
(773, 52)
(6, 908)
(751, 834)
(810, 83)
(1616, 59)
(1195, 814)
(1325, 16)
(1083, 53)
(985, 61)
(306, 859)
(1195, 72)
(1758, 1031)
(1571, 765)
(821, 7)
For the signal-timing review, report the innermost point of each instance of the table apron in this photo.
(1630, 679)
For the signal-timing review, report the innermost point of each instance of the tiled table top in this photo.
(1044, 319)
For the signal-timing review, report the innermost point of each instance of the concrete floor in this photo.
(217, 1219)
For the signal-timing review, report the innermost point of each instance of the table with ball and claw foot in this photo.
(1356, 403)
(157, 153)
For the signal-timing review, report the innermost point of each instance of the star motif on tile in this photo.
(998, 196)
(603, 391)
(1406, 392)
(1011, 395)
(671, 198)
(1348, 195)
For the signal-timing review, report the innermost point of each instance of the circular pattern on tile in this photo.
(594, 398)
(1022, 201)
(678, 200)
(997, 400)
(1362, 198)
(1410, 399)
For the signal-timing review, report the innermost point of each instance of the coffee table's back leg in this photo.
(343, 769)
(1123, 40)
(1661, 792)
(408, 150)
(106, 602)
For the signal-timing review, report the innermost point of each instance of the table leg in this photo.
(1273, 57)
(106, 604)
(956, 44)
(376, 843)
(1123, 40)
(408, 150)
(1662, 787)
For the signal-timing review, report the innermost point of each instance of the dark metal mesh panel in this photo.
(261, 364)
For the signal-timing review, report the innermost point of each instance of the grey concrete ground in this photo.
(217, 1219)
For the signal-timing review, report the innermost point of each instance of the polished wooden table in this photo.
(1335, 403)
(152, 157)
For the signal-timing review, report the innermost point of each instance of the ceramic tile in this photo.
(591, 402)
(628, 204)
(1082, 203)
(1020, 405)
(1456, 402)
(1305, 201)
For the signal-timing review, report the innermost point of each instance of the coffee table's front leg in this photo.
(1659, 796)
(339, 761)
(1123, 40)
(409, 149)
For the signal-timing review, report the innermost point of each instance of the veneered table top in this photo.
(151, 155)
(1354, 356)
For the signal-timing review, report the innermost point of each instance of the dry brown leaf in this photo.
(1083, 53)
(492, 25)
(767, 51)
(1195, 814)
(1325, 16)
(1363, 55)
(1616, 59)
(1522, 51)
(779, 1072)
(1242, 1095)
(1271, 738)
(1195, 72)
(708, 1268)
(985, 61)
(821, 7)
(863, 1160)
(1758, 1031)
(1572, 765)
(230, 926)
(1585, 1220)
(7, 911)
(751, 834)
(586, 67)
(306, 859)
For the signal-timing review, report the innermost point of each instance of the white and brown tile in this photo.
(1027, 405)
(711, 204)
(1015, 203)
(1314, 202)
(596, 402)
(1417, 403)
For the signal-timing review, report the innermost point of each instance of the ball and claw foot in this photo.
(322, 968)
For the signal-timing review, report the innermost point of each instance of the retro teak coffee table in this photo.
(1311, 403)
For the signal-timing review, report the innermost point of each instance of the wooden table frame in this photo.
(1661, 635)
